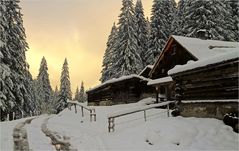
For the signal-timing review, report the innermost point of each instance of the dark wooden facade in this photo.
(173, 54)
(124, 91)
(211, 82)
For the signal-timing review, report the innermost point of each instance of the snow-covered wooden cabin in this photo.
(126, 89)
(181, 50)
(209, 87)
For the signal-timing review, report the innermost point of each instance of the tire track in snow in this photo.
(60, 143)
(20, 138)
(36, 138)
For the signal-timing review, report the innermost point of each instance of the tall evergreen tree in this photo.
(211, 15)
(77, 95)
(141, 30)
(128, 54)
(65, 87)
(233, 9)
(44, 88)
(109, 60)
(179, 18)
(15, 79)
(161, 22)
(82, 94)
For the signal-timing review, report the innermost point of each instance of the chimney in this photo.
(203, 34)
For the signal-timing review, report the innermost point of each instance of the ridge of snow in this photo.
(160, 80)
(119, 79)
(202, 49)
(201, 63)
(209, 101)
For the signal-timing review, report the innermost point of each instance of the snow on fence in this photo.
(111, 117)
(92, 111)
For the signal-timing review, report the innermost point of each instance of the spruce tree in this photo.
(44, 87)
(128, 52)
(109, 60)
(77, 96)
(141, 30)
(15, 80)
(210, 15)
(179, 18)
(161, 22)
(65, 88)
(82, 95)
(233, 9)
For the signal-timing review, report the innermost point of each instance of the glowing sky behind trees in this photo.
(76, 29)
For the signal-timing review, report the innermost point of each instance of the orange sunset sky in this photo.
(76, 29)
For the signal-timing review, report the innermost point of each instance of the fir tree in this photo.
(141, 30)
(128, 52)
(233, 9)
(44, 87)
(211, 15)
(65, 87)
(55, 100)
(108, 60)
(179, 18)
(161, 22)
(15, 80)
(77, 96)
(82, 95)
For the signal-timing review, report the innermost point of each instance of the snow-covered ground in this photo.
(159, 132)
(36, 138)
(6, 131)
(133, 133)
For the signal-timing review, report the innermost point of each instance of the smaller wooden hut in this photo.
(126, 89)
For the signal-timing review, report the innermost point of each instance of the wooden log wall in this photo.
(212, 82)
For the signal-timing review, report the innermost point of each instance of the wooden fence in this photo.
(111, 118)
(92, 111)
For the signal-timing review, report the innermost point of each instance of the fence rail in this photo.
(111, 118)
(92, 111)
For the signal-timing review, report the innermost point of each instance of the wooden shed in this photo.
(126, 89)
(208, 87)
(181, 50)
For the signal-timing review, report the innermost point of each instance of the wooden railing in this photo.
(90, 110)
(111, 118)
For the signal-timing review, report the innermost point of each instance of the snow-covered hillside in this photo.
(131, 131)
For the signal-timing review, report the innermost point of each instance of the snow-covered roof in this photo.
(147, 67)
(160, 80)
(232, 54)
(119, 79)
(202, 49)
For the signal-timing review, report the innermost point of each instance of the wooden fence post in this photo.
(145, 115)
(22, 113)
(168, 110)
(82, 111)
(75, 108)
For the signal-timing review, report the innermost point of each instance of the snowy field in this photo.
(159, 132)
(133, 133)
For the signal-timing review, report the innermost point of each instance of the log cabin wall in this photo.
(218, 81)
(126, 91)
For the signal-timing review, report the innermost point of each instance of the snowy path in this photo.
(36, 138)
(20, 138)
